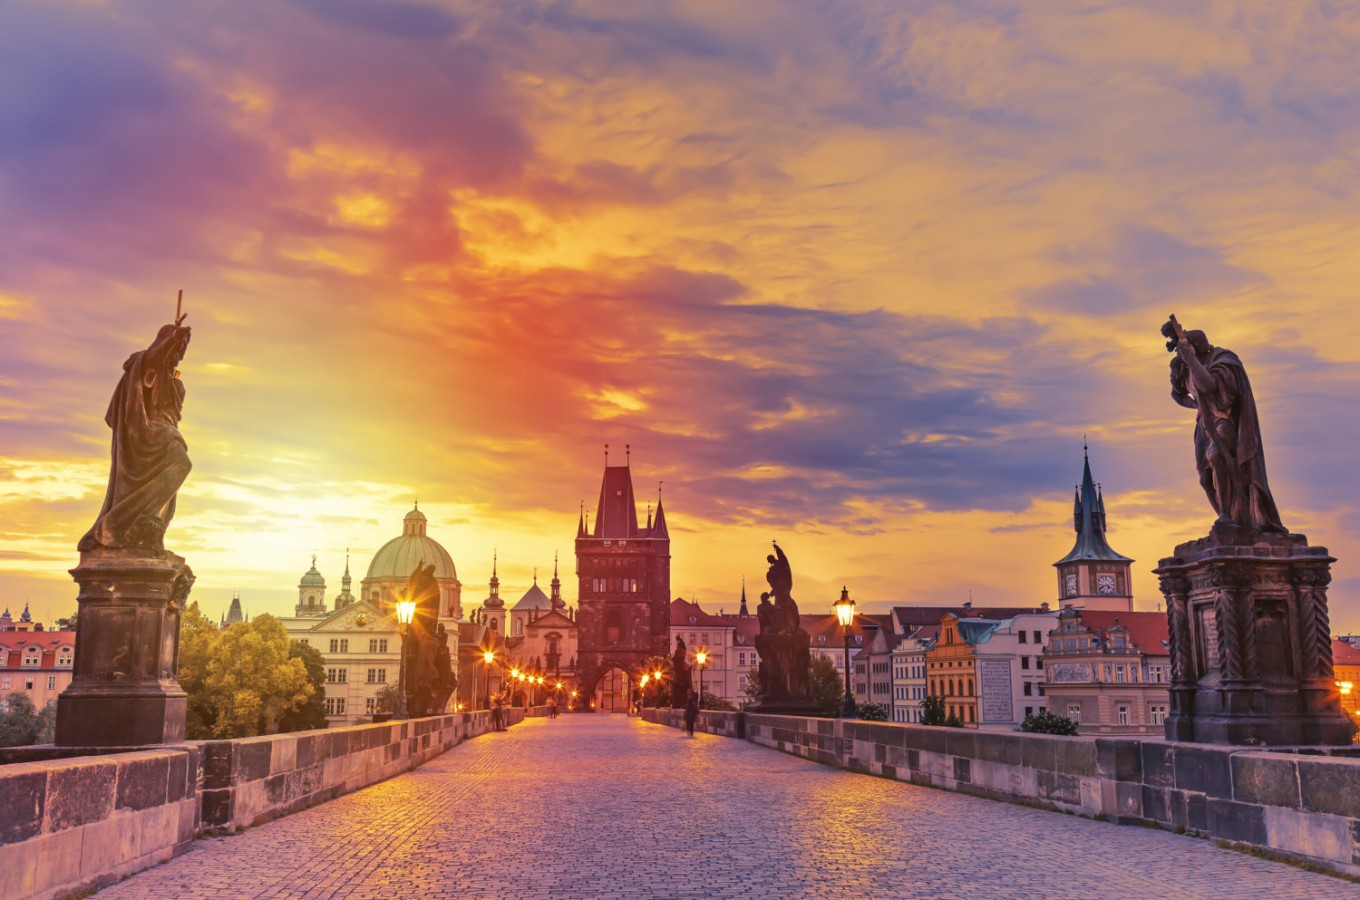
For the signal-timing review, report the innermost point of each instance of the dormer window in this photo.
(32, 656)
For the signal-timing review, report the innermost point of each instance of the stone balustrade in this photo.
(71, 824)
(1304, 805)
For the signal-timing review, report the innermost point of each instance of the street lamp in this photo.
(488, 657)
(406, 611)
(845, 614)
(700, 658)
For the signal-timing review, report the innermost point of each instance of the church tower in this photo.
(1092, 575)
(493, 609)
(625, 584)
(346, 596)
(311, 593)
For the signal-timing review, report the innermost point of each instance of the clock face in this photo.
(1071, 584)
(1105, 584)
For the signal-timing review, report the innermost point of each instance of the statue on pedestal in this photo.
(124, 690)
(784, 646)
(682, 680)
(429, 677)
(1251, 652)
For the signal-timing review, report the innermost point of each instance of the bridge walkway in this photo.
(604, 806)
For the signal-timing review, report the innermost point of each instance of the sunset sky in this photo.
(858, 276)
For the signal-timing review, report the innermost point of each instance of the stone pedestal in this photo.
(124, 692)
(1251, 646)
(785, 661)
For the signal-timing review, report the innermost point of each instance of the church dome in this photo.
(399, 557)
(312, 578)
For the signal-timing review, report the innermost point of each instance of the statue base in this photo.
(124, 692)
(1250, 641)
(785, 670)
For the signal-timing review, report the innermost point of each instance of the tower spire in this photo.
(743, 611)
(1088, 519)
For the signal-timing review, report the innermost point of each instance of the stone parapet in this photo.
(69, 825)
(1304, 805)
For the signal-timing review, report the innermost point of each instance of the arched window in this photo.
(970, 687)
(519, 626)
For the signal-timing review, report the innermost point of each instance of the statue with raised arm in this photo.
(1228, 453)
(149, 457)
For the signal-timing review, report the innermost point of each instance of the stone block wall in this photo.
(73, 824)
(68, 825)
(1300, 804)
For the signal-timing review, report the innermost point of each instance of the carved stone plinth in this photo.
(124, 692)
(785, 661)
(1251, 647)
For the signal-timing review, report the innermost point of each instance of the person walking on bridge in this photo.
(691, 712)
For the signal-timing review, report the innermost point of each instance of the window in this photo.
(371, 705)
(519, 626)
(970, 714)
(1039, 663)
(1029, 711)
(1023, 635)
(28, 684)
(1157, 714)
(377, 645)
(970, 687)
(1123, 714)
(1074, 712)
(377, 676)
(1024, 662)
(1038, 637)
(304, 642)
(339, 645)
(64, 656)
(335, 706)
(51, 682)
(337, 676)
(32, 656)
(1029, 689)
(1119, 674)
(5, 683)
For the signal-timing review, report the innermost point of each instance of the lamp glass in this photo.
(406, 611)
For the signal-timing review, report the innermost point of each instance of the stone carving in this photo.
(429, 684)
(149, 457)
(1246, 605)
(682, 680)
(783, 645)
(1228, 454)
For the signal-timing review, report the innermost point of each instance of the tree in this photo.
(311, 714)
(47, 724)
(252, 681)
(1046, 722)
(386, 699)
(708, 701)
(66, 623)
(18, 721)
(753, 687)
(932, 711)
(871, 712)
(828, 691)
(198, 638)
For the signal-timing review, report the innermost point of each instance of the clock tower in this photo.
(1092, 575)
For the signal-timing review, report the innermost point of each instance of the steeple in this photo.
(616, 514)
(556, 596)
(743, 611)
(658, 529)
(24, 616)
(495, 601)
(346, 596)
(1088, 520)
(581, 521)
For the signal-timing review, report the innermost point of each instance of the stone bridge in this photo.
(608, 806)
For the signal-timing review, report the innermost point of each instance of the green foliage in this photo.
(386, 698)
(66, 622)
(19, 724)
(311, 714)
(828, 691)
(871, 712)
(251, 680)
(708, 701)
(47, 723)
(753, 687)
(932, 713)
(198, 638)
(1045, 722)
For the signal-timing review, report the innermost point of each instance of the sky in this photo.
(858, 276)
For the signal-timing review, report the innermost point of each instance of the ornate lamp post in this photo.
(700, 660)
(845, 614)
(489, 658)
(406, 611)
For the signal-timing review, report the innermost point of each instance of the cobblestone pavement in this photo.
(609, 807)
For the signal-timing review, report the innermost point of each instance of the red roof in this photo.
(1344, 654)
(683, 610)
(1147, 630)
(14, 643)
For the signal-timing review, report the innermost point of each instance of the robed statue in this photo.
(1228, 453)
(149, 457)
(783, 644)
(426, 689)
(682, 677)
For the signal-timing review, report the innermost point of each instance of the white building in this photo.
(909, 674)
(1010, 670)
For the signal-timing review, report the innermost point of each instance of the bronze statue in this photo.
(1228, 453)
(420, 647)
(149, 457)
(783, 645)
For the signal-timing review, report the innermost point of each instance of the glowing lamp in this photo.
(645, 679)
(845, 609)
(701, 657)
(489, 657)
(406, 611)
(514, 673)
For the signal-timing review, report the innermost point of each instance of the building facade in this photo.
(1092, 575)
(34, 661)
(1109, 672)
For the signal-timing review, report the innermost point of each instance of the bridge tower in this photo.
(625, 585)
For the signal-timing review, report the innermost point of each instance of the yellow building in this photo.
(951, 665)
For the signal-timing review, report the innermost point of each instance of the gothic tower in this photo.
(625, 584)
(1092, 575)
